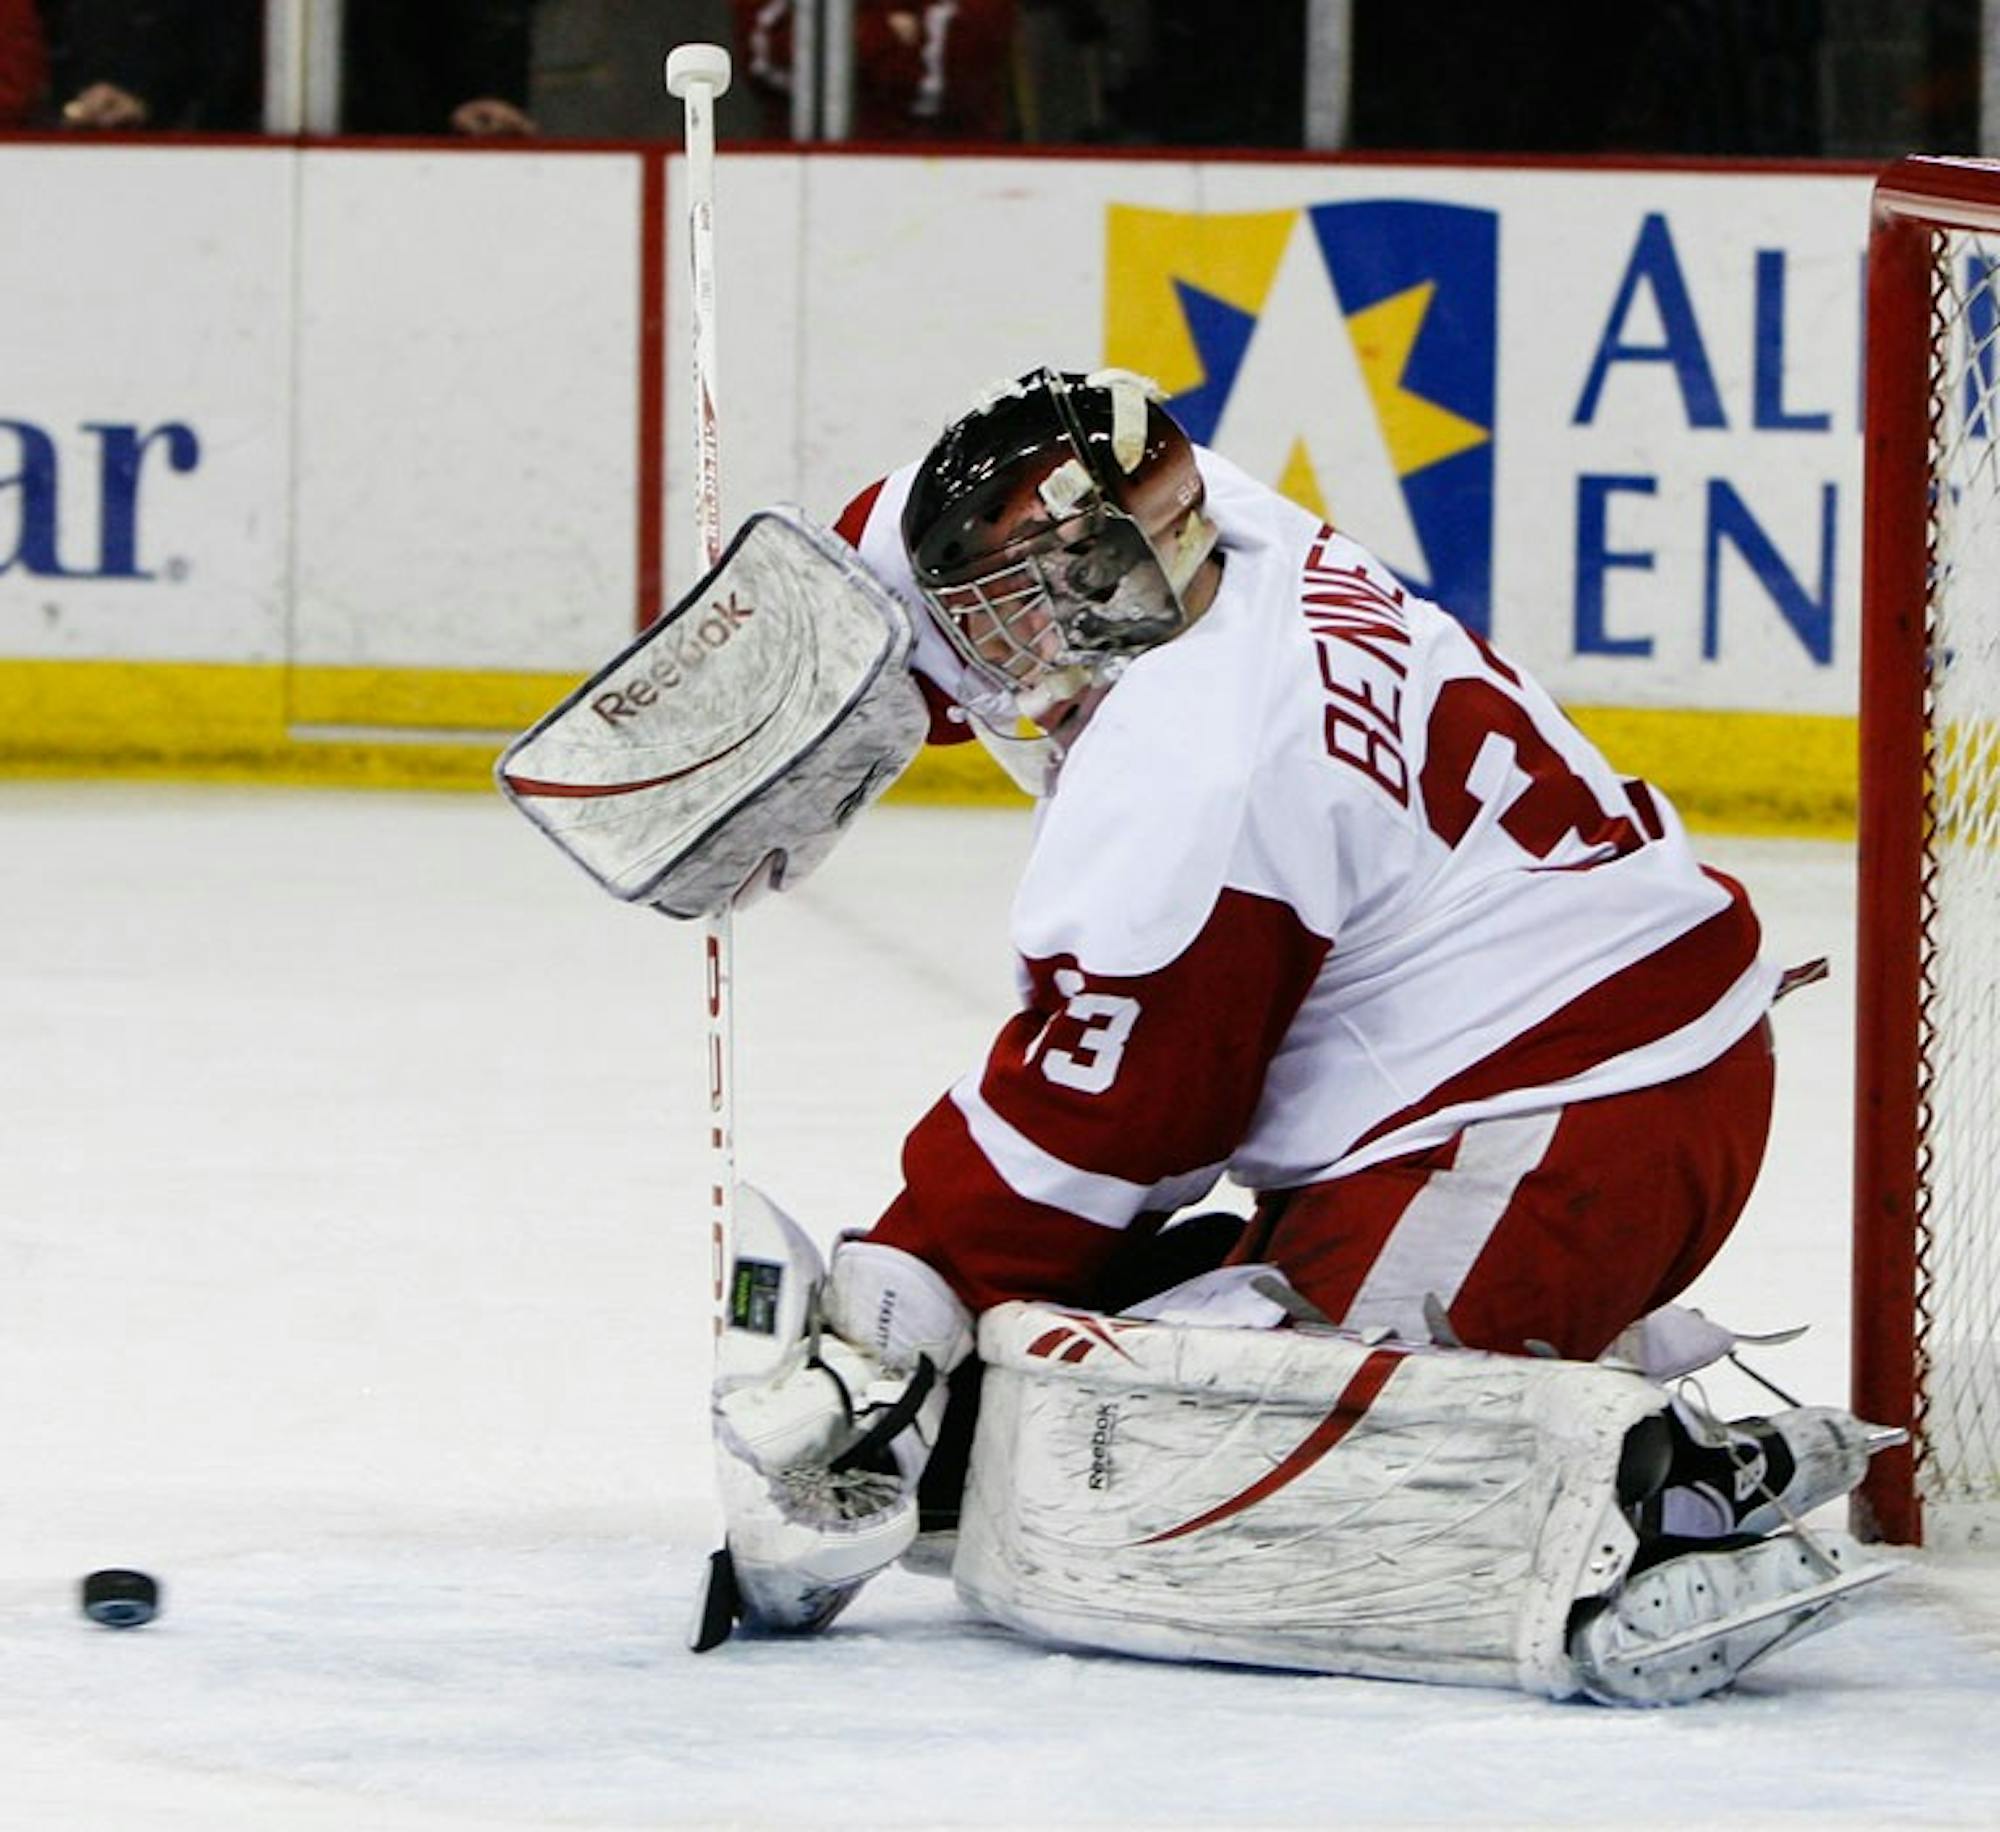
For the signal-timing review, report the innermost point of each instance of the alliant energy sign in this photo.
(1612, 421)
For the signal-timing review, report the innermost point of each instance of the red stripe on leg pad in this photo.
(1348, 1411)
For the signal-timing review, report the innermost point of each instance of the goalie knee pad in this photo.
(905, 1330)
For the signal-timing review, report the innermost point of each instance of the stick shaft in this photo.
(718, 972)
(718, 941)
(701, 319)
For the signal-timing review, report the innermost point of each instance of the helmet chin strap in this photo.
(1203, 583)
(1030, 759)
(1065, 722)
(1192, 544)
(1056, 689)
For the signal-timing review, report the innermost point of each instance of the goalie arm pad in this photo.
(896, 1304)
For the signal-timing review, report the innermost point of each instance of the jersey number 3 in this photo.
(1093, 1027)
(1479, 738)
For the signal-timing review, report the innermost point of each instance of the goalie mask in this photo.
(1054, 531)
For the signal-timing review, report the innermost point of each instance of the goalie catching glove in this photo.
(826, 1408)
(727, 748)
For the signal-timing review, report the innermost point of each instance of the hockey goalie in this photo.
(1327, 896)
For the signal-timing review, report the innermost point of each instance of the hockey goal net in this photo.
(1927, 1155)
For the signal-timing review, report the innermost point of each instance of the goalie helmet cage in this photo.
(1926, 1329)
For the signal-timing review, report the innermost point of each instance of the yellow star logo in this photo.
(1417, 432)
(1232, 257)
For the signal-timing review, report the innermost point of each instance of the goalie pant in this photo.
(1447, 1515)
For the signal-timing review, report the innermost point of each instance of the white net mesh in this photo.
(1958, 1276)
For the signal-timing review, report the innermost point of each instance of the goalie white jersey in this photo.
(1323, 880)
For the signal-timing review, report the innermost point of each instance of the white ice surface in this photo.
(353, 1279)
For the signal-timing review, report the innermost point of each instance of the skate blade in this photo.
(1812, 1602)
(1618, 1663)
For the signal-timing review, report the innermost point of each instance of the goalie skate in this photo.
(1695, 1623)
(1762, 1475)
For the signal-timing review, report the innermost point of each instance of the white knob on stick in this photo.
(692, 65)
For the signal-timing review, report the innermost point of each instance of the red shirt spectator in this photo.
(24, 67)
(923, 69)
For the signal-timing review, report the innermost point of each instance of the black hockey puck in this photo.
(120, 1599)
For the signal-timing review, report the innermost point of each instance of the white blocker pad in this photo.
(738, 735)
(1293, 1498)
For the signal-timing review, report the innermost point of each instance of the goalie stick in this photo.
(859, 638)
(695, 75)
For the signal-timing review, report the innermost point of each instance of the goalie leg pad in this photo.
(1294, 1498)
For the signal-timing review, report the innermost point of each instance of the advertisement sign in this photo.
(396, 435)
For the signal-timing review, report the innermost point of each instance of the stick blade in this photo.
(718, 1604)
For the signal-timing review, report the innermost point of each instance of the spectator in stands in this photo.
(442, 66)
(23, 62)
(923, 69)
(168, 64)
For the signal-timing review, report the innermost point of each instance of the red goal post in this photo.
(1926, 1329)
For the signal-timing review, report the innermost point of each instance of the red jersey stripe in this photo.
(1190, 1071)
(854, 518)
(989, 1243)
(1644, 1003)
